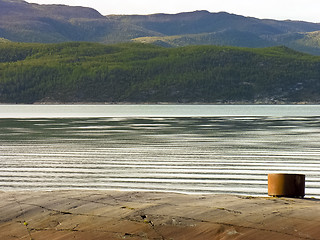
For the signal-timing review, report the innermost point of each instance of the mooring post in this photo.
(286, 185)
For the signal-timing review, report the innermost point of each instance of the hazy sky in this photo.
(307, 10)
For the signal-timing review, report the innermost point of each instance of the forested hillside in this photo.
(132, 72)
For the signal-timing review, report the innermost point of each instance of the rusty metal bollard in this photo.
(286, 185)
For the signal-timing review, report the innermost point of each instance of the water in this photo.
(190, 149)
(69, 111)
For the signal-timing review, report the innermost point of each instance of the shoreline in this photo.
(99, 214)
(167, 103)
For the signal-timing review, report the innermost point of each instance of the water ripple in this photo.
(179, 154)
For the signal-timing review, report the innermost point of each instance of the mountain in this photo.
(203, 28)
(25, 22)
(205, 22)
(135, 72)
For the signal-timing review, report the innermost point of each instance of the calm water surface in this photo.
(190, 149)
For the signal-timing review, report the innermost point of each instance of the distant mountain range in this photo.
(24, 22)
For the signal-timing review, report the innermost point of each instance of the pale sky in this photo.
(306, 10)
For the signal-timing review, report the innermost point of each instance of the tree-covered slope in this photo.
(89, 72)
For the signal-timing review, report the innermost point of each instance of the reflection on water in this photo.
(182, 154)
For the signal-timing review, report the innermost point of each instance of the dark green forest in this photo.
(136, 72)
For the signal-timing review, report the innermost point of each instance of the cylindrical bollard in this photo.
(286, 185)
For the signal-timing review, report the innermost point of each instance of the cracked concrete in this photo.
(146, 215)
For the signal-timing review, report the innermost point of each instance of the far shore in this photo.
(85, 215)
(167, 103)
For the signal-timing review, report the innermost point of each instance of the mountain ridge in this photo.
(28, 22)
